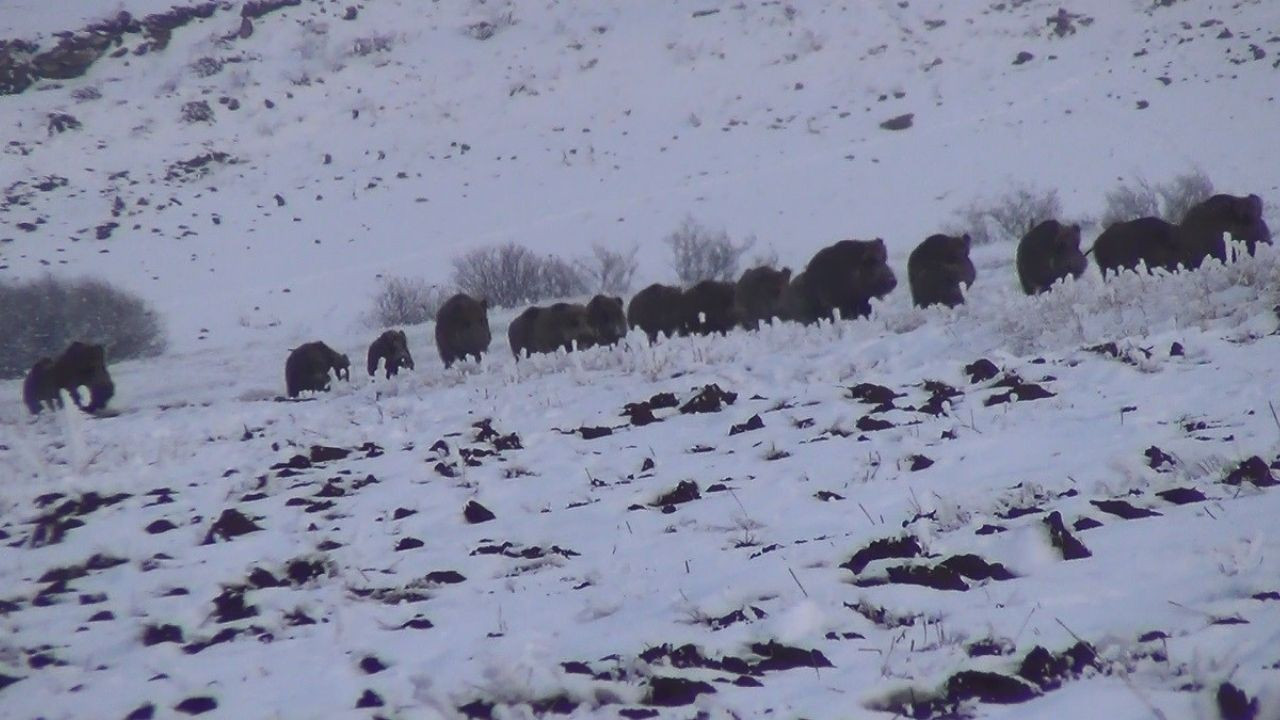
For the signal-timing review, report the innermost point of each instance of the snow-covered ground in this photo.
(363, 589)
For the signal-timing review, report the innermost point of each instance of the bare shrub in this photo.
(485, 29)
(1008, 217)
(86, 93)
(43, 316)
(197, 111)
(1169, 200)
(608, 271)
(699, 253)
(1182, 193)
(406, 301)
(206, 67)
(376, 43)
(510, 275)
(559, 278)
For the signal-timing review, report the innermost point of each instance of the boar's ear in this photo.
(968, 241)
(1254, 204)
(484, 303)
(786, 275)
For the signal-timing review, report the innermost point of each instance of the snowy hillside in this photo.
(1049, 507)
(573, 123)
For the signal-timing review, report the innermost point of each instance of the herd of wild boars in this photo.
(840, 281)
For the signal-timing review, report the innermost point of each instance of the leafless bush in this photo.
(197, 111)
(1010, 216)
(699, 253)
(376, 43)
(206, 67)
(485, 29)
(406, 301)
(608, 271)
(41, 317)
(510, 275)
(1168, 200)
(86, 93)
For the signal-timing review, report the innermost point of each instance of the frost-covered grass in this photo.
(613, 576)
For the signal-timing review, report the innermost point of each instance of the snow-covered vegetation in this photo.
(1033, 507)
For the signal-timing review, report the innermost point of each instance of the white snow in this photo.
(610, 122)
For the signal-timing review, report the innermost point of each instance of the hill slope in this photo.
(570, 124)
(1046, 507)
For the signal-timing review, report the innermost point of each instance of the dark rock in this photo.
(988, 687)
(1234, 704)
(232, 523)
(674, 691)
(662, 401)
(301, 571)
(160, 525)
(777, 656)
(708, 400)
(260, 578)
(975, 568)
(900, 122)
(257, 8)
(476, 513)
(989, 647)
(1085, 523)
(230, 605)
(59, 122)
(685, 491)
(16, 73)
(445, 577)
(1122, 509)
(324, 453)
(981, 370)
(1023, 57)
(920, 462)
(752, 423)
(1157, 458)
(906, 547)
(938, 578)
(1182, 496)
(477, 710)
(142, 712)
(1254, 470)
(1061, 538)
(369, 699)
(874, 394)
(592, 433)
(71, 57)
(156, 634)
(197, 705)
(866, 423)
(409, 543)
(640, 414)
(1048, 671)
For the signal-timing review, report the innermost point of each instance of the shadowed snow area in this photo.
(1059, 506)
